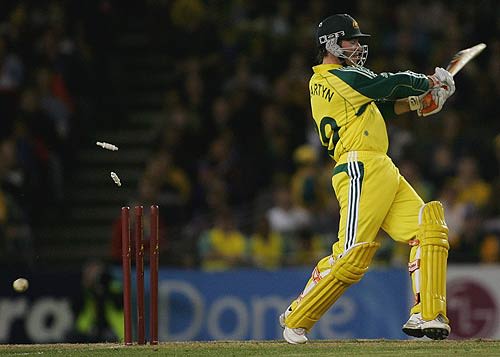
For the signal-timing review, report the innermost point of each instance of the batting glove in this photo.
(443, 79)
(430, 102)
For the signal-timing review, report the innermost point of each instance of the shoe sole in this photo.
(414, 332)
(436, 333)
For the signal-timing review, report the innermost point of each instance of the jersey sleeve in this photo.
(384, 86)
(386, 108)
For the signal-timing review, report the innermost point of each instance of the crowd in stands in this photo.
(238, 169)
(49, 69)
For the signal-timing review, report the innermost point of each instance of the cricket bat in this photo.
(458, 61)
(461, 58)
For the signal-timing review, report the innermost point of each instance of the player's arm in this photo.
(392, 86)
(391, 108)
(431, 102)
(386, 89)
(382, 89)
(401, 106)
(384, 86)
(425, 104)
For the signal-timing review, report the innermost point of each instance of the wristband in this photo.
(414, 102)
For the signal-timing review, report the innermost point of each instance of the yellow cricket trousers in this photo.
(372, 194)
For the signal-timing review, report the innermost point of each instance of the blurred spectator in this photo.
(442, 165)
(466, 247)
(173, 187)
(221, 161)
(267, 247)
(454, 211)
(37, 135)
(471, 188)
(490, 249)
(210, 193)
(56, 109)
(306, 188)
(411, 173)
(178, 126)
(284, 216)
(326, 220)
(308, 248)
(275, 146)
(221, 118)
(223, 246)
(11, 68)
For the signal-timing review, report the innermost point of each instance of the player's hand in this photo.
(443, 79)
(430, 102)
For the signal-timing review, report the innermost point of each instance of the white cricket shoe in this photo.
(437, 329)
(413, 327)
(293, 336)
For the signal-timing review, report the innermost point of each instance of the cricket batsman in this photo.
(350, 104)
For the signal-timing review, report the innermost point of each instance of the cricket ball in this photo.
(20, 285)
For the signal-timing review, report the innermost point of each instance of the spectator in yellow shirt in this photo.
(470, 186)
(223, 246)
(267, 247)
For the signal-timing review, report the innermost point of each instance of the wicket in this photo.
(139, 264)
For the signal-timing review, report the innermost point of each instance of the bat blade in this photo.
(461, 58)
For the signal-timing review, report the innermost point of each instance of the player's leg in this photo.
(422, 226)
(363, 206)
(324, 289)
(428, 271)
(401, 223)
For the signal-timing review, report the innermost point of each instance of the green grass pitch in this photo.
(356, 348)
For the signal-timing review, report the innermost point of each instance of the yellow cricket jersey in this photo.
(267, 251)
(224, 245)
(349, 105)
